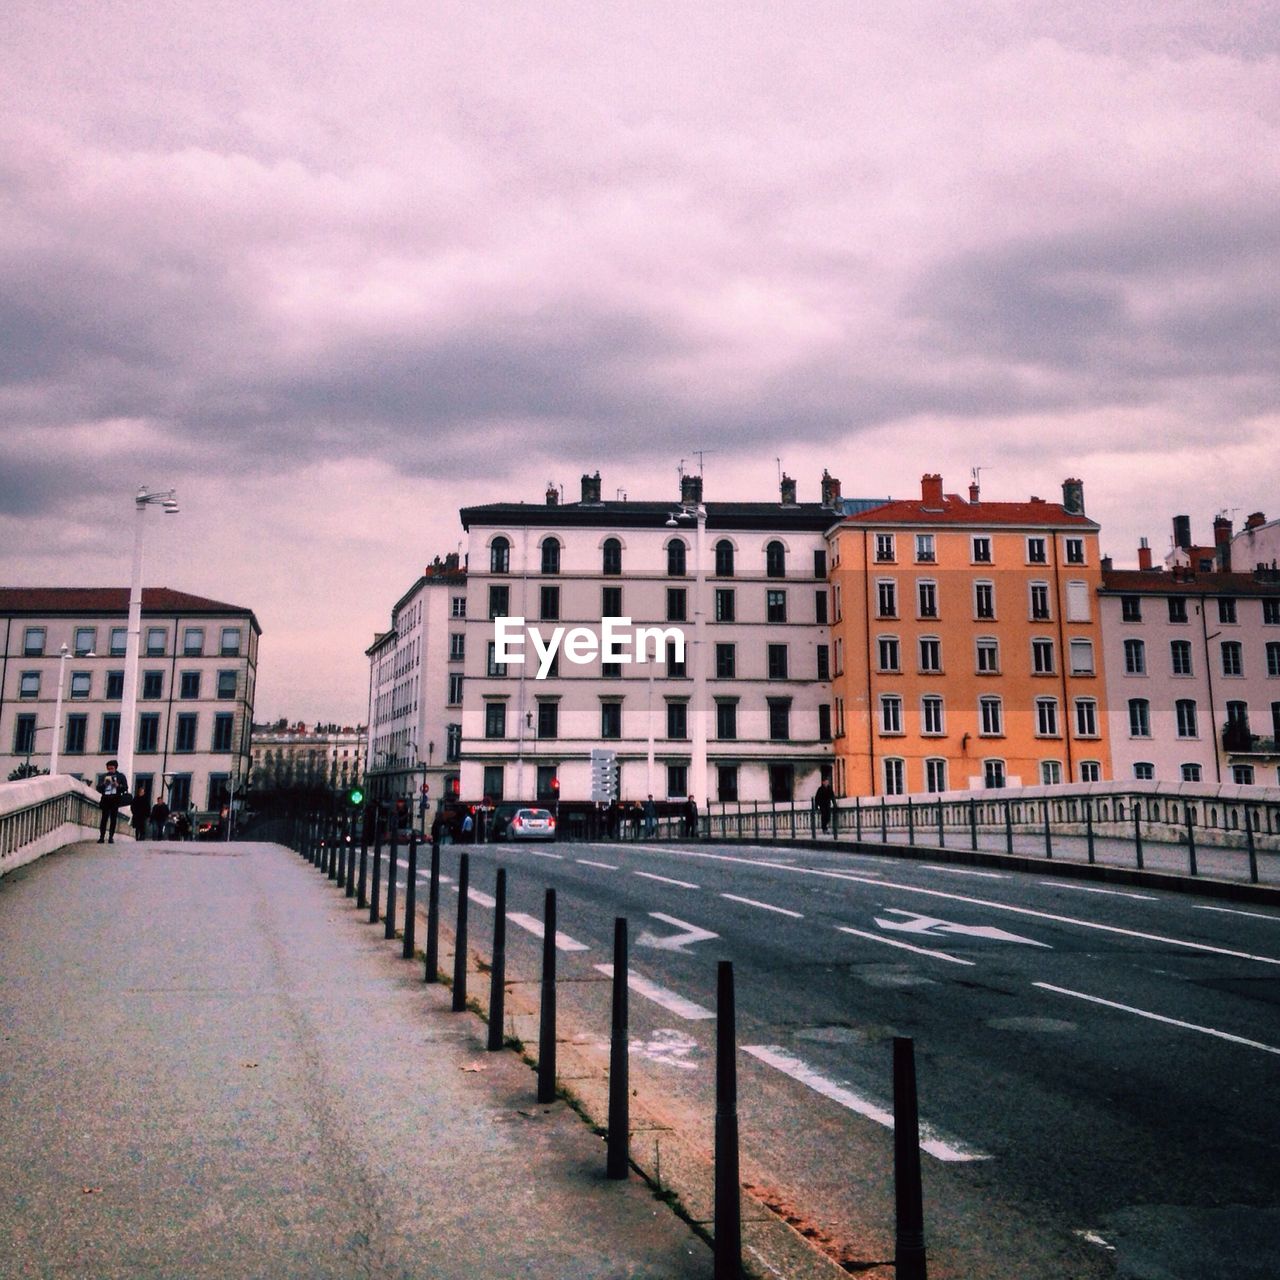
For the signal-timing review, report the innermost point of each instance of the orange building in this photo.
(967, 644)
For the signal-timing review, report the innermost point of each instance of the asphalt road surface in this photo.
(1098, 1067)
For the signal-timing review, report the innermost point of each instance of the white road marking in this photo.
(916, 923)
(539, 853)
(781, 1060)
(480, 899)
(536, 927)
(649, 875)
(688, 935)
(604, 866)
(671, 1001)
(1231, 911)
(905, 946)
(967, 871)
(764, 906)
(1084, 888)
(1159, 1017)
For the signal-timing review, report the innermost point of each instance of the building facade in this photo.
(295, 757)
(197, 677)
(967, 644)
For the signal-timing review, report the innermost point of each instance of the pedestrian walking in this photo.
(650, 817)
(139, 812)
(114, 790)
(159, 819)
(691, 817)
(825, 798)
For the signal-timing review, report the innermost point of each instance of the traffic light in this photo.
(355, 797)
(555, 787)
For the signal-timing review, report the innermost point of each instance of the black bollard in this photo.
(1137, 833)
(973, 823)
(909, 1250)
(619, 1087)
(1008, 827)
(411, 897)
(375, 888)
(547, 1016)
(942, 834)
(460, 940)
(1191, 840)
(1088, 831)
(911, 822)
(362, 884)
(1251, 845)
(354, 828)
(331, 862)
(884, 821)
(728, 1206)
(393, 847)
(1048, 838)
(498, 969)
(344, 833)
(431, 972)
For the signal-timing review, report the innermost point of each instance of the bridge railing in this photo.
(40, 815)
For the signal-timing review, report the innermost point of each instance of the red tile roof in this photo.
(111, 600)
(955, 510)
(1134, 582)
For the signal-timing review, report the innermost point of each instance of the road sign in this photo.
(604, 775)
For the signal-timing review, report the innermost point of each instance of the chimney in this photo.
(973, 491)
(1182, 532)
(1256, 520)
(1144, 554)
(591, 489)
(830, 489)
(1222, 542)
(1106, 564)
(788, 487)
(553, 495)
(931, 491)
(690, 491)
(1073, 496)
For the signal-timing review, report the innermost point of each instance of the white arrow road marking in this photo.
(780, 1059)
(905, 946)
(932, 926)
(690, 933)
(671, 1001)
(536, 927)
(669, 1047)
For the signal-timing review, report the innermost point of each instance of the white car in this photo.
(532, 824)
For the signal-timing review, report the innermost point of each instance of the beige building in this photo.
(298, 757)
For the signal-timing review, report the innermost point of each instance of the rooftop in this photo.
(1134, 582)
(113, 600)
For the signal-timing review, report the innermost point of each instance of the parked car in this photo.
(531, 824)
(208, 825)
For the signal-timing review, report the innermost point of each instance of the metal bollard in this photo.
(460, 940)
(973, 823)
(354, 828)
(911, 823)
(411, 897)
(909, 1259)
(547, 1014)
(331, 862)
(728, 1205)
(393, 843)
(376, 885)
(1008, 827)
(341, 842)
(1252, 846)
(942, 833)
(362, 884)
(1137, 832)
(884, 821)
(1048, 838)
(498, 969)
(1088, 830)
(619, 1087)
(1191, 840)
(431, 972)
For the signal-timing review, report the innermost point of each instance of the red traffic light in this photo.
(555, 785)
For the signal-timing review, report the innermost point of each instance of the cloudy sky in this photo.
(333, 271)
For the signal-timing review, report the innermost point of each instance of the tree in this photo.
(26, 770)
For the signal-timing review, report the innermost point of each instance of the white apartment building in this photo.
(197, 673)
(746, 584)
(289, 757)
(415, 688)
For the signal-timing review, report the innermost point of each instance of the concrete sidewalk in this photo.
(211, 1068)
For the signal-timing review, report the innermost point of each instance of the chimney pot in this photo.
(931, 491)
(830, 489)
(591, 489)
(788, 489)
(1144, 554)
(553, 495)
(973, 492)
(1255, 520)
(690, 490)
(1182, 532)
(1073, 496)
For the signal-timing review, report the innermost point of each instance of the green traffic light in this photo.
(356, 796)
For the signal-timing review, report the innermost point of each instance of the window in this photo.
(226, 685)
(457, 606)
(1232, 658)
(611, 719)
(180, 791)
(222, 724)
(1226, 610)
(1036, 551)
(1242, 775)
(611, 556)
(1042, 657)
(29, 684)
(153, 684)
(192, 642)
(499, 601)
(890, 713)
(1074, 548)
(1177, 609)
(1139, 718)
(676, 604)
(1040, 601)
(1144, 771)
(894, 777)
(185, 737)
(1050, 773)
(1271, 612)
(1185, 711)
(156, 639)
(887, 646)
(884, 548)
(935, 775)
(1047, 717)
(677, 781)
(824, 661)
(1273, 658)
(457, 646)
(775, 606)
(495, 720)
(820, 607)
(492, 666)
(1135, 658)
(677, 719)
(548, 719)
(725, 610)
(85, 638)
(726, 720)
(1191, 773)
(81, 684)
(119, 641)
(455, 689)
(988, 648)
(551, 556)
(549, 603)
(77, 731)
(981, 545)
(675, 666)
(1078, 609)
(724, 558)
(927, 599)
(149, 731)
(1090, 771)
(33, 643)
(1238, 714)
(228, 646)
(990, 717)
(824, 722)
(499, 556)
(494, 781)
(925, 548)
(726, 782)
(453, 742)
(189, 684)
(115, 686)
(886, 598)
(775, 560)
(1081, 657)
(819, 563)
(24, 735)
(611, 602)
(931, 715)
(546, 783)
(1180, 657)
(930, 654)
(779, 719)
(776, 661)
(984, 600)
(110, 738)
(782, 782)
(676, 558)
(1131, 608)
(726, 661)
(993, 774)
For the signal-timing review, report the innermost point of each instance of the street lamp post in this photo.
(167, 499)
(57, 711)
(698, 780)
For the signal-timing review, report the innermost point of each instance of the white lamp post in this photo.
(167, 499)
(57, 711)
(698, 780)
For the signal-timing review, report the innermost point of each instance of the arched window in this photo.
(612, 556)
(500, 556)
(724, 558)
(675, 558)
(551, 556)
(775, 560)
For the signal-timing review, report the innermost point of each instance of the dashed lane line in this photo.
(604, 866)
(966, 871)
(671, 1001)
(649, 875)
(536, 927)
(905, 946)
(764, 906)
(1231, 911)
(1111, 893)
(540, 853)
